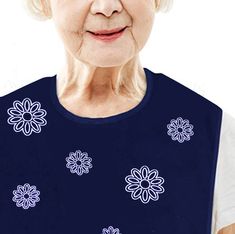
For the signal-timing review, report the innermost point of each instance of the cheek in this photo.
(142, 12)
(69, 16)
(142, 16)
(70, 23)
(70, 29)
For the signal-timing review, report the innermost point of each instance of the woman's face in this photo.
(74, 18)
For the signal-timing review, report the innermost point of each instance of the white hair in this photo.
(39, 9)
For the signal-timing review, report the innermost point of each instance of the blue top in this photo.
(149, 170)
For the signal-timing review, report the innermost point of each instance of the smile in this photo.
(108, 37)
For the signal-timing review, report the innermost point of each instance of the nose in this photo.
(106, 7)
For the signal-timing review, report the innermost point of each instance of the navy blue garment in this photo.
(150, 170)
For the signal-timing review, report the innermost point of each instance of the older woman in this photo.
(103, 146)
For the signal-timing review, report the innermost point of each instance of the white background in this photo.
(194, 43)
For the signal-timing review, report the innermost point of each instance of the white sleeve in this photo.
(224, 191)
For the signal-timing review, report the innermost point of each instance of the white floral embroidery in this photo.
(27, 116)
(144, 184)
(110, 230)
(78, 162)
(26, 196)
(180, 130)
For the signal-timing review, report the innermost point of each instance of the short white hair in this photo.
(39, 9)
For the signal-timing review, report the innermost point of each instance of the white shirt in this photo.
(223, 213)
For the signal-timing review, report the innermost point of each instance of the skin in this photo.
(86, 83)
(228, 229)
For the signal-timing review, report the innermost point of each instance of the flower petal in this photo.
(18, 106)
(136, 173)
(35, 106)
(144, 171)
(145, 196)
(158, 189)
(14, 119)
(40, 121)
(39, 114)
(27, 128)
(133, 180)
(136, 194)
(156, 181)
(27, 104)
(153, 195)
(35, 127)
(25, 203)
(132, 187)
(153, 174)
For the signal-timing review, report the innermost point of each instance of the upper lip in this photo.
(108, 31)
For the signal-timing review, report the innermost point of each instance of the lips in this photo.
(108, 32)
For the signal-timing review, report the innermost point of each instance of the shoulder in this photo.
(186, 92)
(35, 91)
(13, 104)
(28, 89)
(176, 95)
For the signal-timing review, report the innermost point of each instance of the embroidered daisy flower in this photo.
(110, 230)
(26, 196)
(144, 184)
(180, 130)
(27, 116)
(78, 162)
